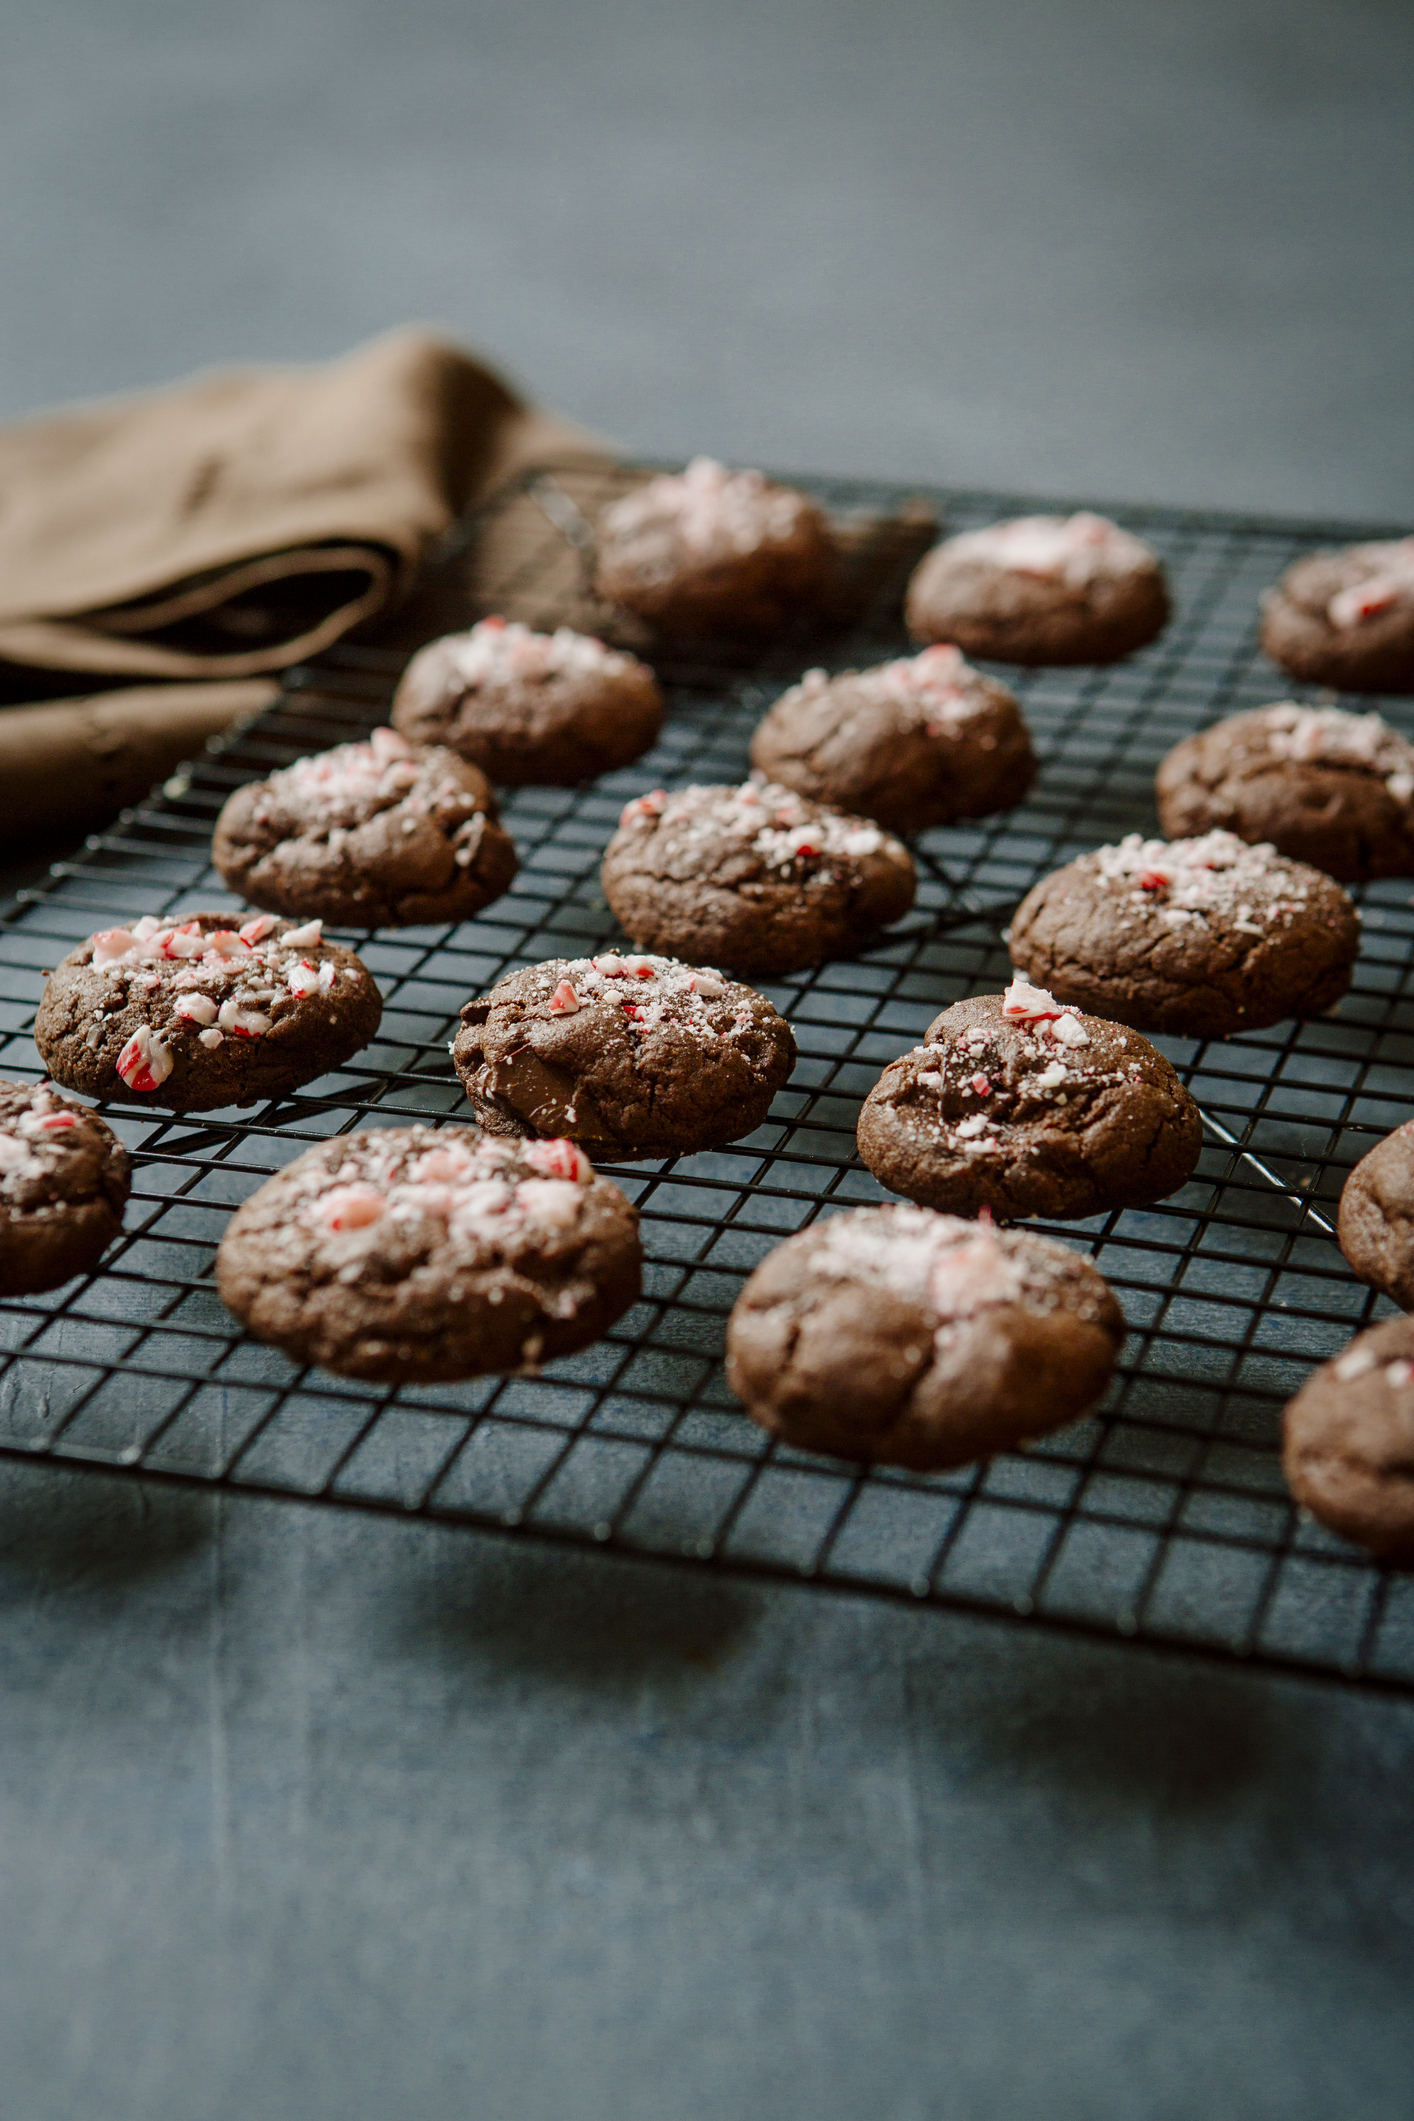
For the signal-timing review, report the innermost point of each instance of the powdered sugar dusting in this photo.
(1071, 549)
(34, 1141)
(1218, 875)
(788, 834)
(1328, 736)
(1388, 583)
(346, 783)
(953, 1268)
(712, 509)
(1029, 1061)
(225, 983)
(649, 993)
(480, 1193)
(505, 652)
(936, 690)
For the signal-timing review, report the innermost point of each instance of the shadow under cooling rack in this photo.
(1161, 1517)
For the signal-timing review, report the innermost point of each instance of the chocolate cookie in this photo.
(915, 1339)
(913, 743)
(1376, 1221)
(752, 877)
(1348, 1442)
(64, 1182)
(375, 835)
(1015, 1104)
(1204, 937)
(628, 1056)
(195, 1014)
(1346, 618)
(412, 1255)
(530, 709)
(1041, 589)
(709, 549)
(1332, 789)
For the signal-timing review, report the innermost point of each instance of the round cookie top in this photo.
(381, 833)
(429, 1253)
(1327, 787)
(1204, 936)
(198, 1014)
(710, 544)
(1075, 549)
(1016, 1104)
(52, 1150)
(1376, 1221)
(911, 1338)
(1348, 1442)
(64, 1178)
(527, 707)
(1039, 589)
(755, 877)
(1346, 617)
(911, 743)
(627, 1054)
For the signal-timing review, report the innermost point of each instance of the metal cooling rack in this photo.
(1162, 1516)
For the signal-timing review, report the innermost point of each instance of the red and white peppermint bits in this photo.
(242, 1023)
(1033, 1009)
(225, 942)
(560, 1159)
(112, 945)
(351, 1207)
(145, 1062)
(564, 1001)
(1024, 1004)
(196, 1008)
(644, 806)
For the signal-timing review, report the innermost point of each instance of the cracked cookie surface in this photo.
(375, 835)
(64, 1182)
(195, 1013)
(1203, 936)
(1016, 1104)
(530, 709)
(756, 878)
(1375, 1226)
(902, 1337)
(1348, 1442)
(628, 1055)
(912, 743)
(1346, 618)
(1041, 589)
(420, 1253)
(1322, 786)
(708, 549)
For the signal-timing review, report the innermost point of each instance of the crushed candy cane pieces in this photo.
(560, 1159)
(145, 1062)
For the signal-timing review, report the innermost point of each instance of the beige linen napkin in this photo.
(219, 529)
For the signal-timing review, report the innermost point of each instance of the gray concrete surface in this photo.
(307, 1815)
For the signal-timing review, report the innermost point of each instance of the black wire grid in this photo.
(1162, 1516)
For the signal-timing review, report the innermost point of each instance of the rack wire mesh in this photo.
(1161, 1517)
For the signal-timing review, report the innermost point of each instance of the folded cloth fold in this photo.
(240, 522)
(69, 765)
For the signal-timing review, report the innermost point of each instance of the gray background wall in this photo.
(1161, 252)
(306, 1816)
